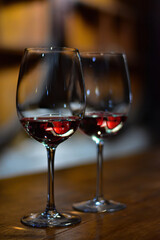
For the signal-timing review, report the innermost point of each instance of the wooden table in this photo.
(134, 180)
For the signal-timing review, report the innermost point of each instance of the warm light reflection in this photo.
(19, 228)
(97, 91)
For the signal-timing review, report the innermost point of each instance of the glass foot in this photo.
(99, 205)
(50, 219)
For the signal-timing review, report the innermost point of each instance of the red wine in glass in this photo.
(102, 125)
(50, 103)
(108, 99)
(50, 130)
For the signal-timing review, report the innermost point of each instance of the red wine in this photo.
(101, 125)
(52, 130)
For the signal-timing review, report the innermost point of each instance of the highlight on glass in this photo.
(50, 105)
(108, 100)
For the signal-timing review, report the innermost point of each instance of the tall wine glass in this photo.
(50, 104)
(108, 98)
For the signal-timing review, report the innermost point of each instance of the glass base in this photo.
(50, 219)
(99, 205)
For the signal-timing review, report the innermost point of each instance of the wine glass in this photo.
(50, 104)
(108, 99)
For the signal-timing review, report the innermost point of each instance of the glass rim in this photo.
(51, 49)
(101, 53)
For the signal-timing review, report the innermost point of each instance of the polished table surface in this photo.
(133, 180)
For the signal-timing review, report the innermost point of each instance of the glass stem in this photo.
(50, 200)
(99, 188)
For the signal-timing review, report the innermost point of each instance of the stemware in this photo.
(108, 99)
(50, 104)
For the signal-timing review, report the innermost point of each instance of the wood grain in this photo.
(133, 180)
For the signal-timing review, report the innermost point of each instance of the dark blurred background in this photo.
(129, 26)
